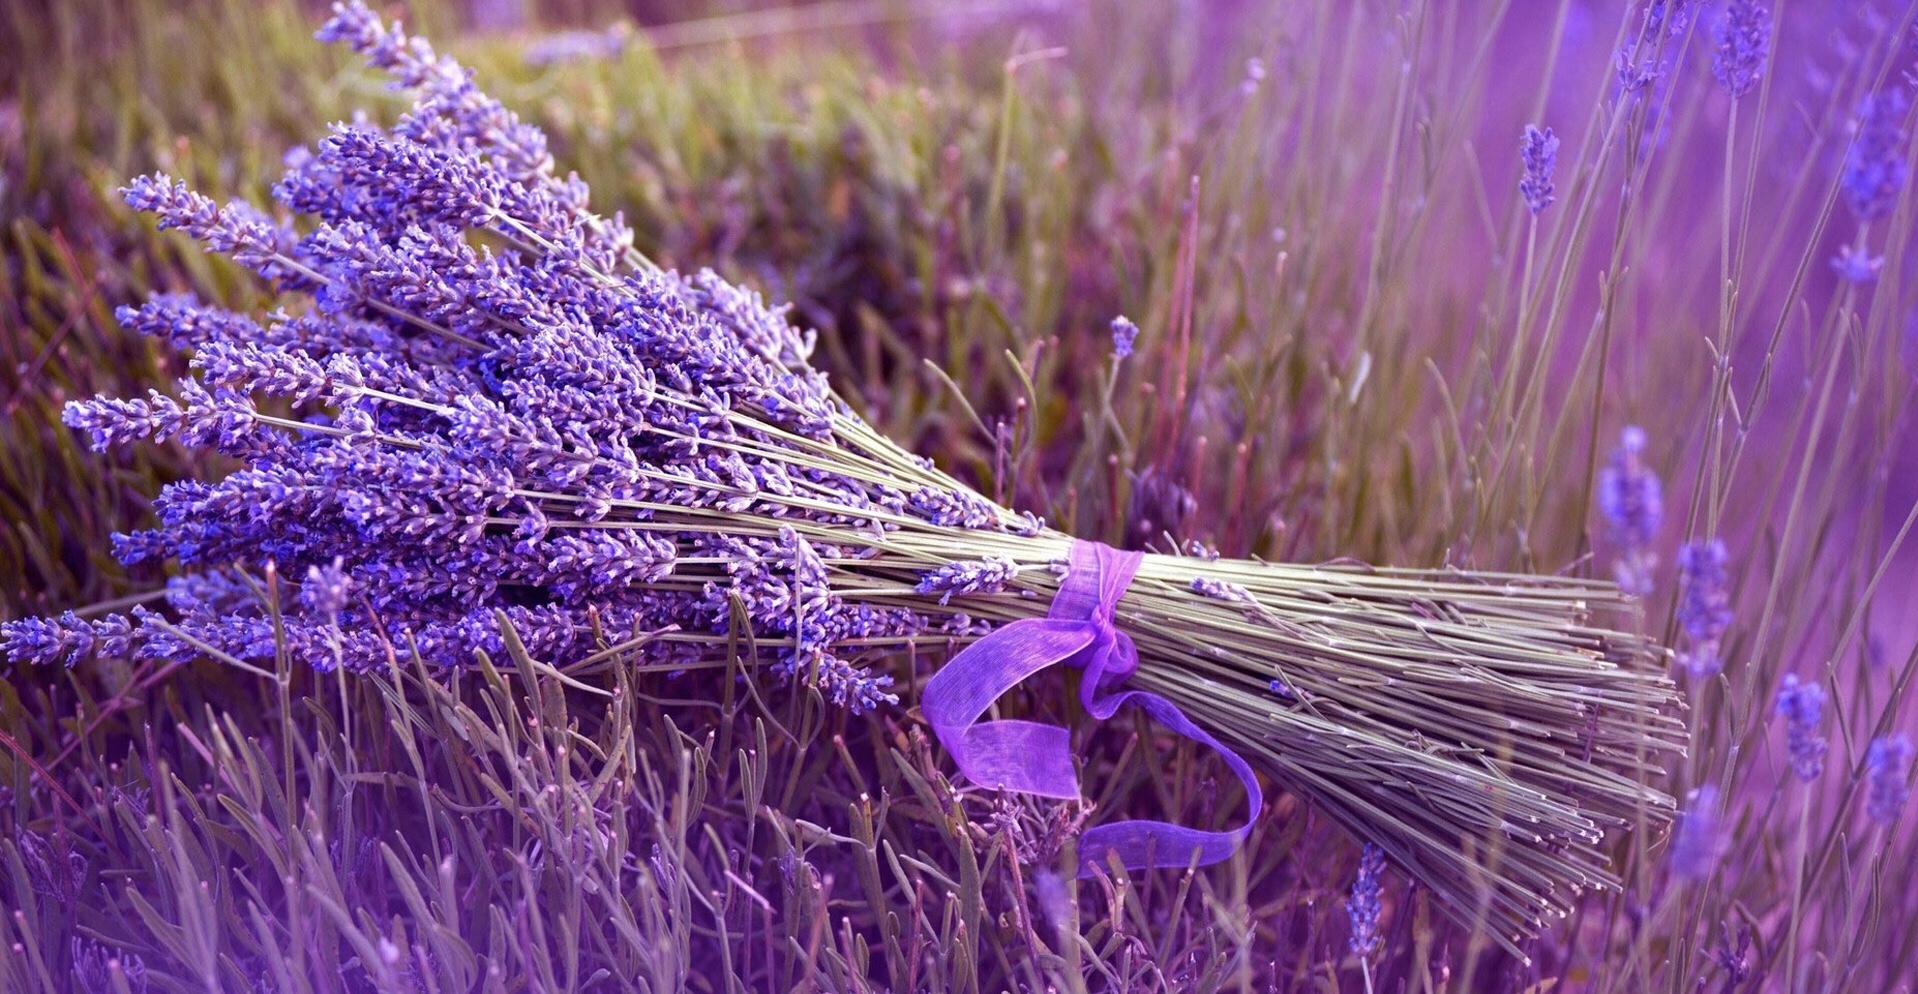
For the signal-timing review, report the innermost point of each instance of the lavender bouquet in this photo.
(480, 408)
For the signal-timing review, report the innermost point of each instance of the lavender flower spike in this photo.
(1363, 907)
(1539, 151)
(1695, 846)
(988, 575)
(1802, 704)
(1704, 606)
(1875, 169)
(1632, 502)
(1888, 774)
(1124, 333)
(1744, 40)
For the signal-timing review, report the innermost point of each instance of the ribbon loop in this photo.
(1036, 758)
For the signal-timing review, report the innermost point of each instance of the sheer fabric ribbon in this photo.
(1036, 758)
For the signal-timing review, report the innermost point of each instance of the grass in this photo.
(1356, 343)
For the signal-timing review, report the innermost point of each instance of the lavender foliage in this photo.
(1632, 502)
(1539, 152)
(1704, 606)
(1888, 777)
(500, 415)
(1801, 703)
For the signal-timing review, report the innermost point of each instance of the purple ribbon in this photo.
(1036, 758)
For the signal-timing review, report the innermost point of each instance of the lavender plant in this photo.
(492, 422)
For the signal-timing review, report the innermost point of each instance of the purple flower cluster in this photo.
(1743, 35)
(988, 575)
(1124, 334)
(1802, 704)
(1888, 777)
(1704, 605)
(1632, 502)
(500, 414)
(1695, 845)
(1539, 152)
(1362, 908)
(1857, 265)
(1222, 590)
(1875, 167)
(1637, 62)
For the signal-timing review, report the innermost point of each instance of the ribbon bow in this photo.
(1036, 758)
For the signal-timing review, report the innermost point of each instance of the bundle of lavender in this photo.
(490, 410)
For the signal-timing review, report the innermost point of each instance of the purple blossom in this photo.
(232, 229)
(986, 575)
(1801, 703)
(1704, 606)
(1124, 334)
(326, 590)
(1231, 593)
(1875, 168)
(1221, 590)
(1362, 908)
(1632, 502)
(1636, 62)
(530, 429)
(1857, 265)
(1539, 151)
(1888, 775)
(1669, 17)
(1695, 846)
(63, 641)
(1743, 36)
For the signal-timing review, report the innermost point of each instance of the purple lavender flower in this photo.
(1888, 773)
(528, 429)
(326, 590)
(1743, 35)
(987, 575)
(1221, 590)
(233, 229)
(1857, 265)
(1695, 847)
(1875, 168)
(1637, 62)
(1802, 704)
(1670, 17)
(1363, 908)
(1632, 502)
(66, 640)
(1539, 151)
(1704, 606)
(1124, 333)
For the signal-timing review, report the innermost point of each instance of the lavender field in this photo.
(1017, 495)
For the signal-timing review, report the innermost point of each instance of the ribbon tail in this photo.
(1143, 845)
